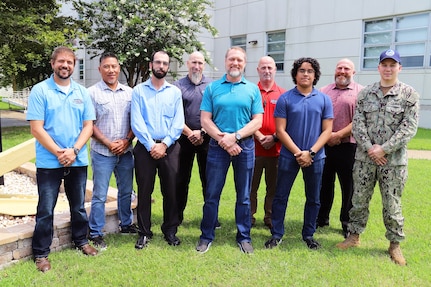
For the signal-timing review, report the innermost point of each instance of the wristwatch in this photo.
(312, 153)
(129, 139)
(237, 136)
(203, 133)
(275, 138)
(76, 150)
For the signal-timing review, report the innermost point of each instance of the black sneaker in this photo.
(273, 242)
(142, 242)
(98, 242)
(203, 246)
(131, 229)
(312, 244)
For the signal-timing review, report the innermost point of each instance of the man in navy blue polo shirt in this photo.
(303, 119)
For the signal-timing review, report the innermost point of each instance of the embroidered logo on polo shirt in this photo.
(77, 101)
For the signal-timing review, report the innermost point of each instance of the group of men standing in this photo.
(229, 121)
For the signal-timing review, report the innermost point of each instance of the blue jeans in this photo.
(48, 186)
(288, 169)
(218, 162)
(103, 167)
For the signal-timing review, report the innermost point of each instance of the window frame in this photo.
(410, 60)
(241, 44)
(278, 63)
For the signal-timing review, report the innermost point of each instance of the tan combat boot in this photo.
(396, 254)
(351, 241)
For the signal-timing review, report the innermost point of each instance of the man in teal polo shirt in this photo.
(231, 112)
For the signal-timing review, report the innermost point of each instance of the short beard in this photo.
(234, 74)
(196, 78)
(343, 81)
(159, 74)
(58, 73)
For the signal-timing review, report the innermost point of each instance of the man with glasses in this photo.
(157, 119)
(303, 120)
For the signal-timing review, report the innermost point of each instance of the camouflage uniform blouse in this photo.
(390, 121)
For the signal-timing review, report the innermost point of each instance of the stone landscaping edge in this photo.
(15, 241)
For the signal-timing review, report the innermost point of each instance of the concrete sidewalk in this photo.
(13, 118)
(419, 154)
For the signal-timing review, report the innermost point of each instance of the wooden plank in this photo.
(16, 156)
(18, 206)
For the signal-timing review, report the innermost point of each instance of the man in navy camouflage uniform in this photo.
(385, 119)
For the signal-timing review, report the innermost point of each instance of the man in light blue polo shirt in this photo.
(61, 117)
(231, 112)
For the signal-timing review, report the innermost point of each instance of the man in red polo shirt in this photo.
(267, 146)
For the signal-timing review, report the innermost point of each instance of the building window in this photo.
(408, 34)
(81, 69)
(239, 41)
(276, 42)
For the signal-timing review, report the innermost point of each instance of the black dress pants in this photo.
(145, 170)
(339, 161)
(187, 157)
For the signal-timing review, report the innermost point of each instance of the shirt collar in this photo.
(104, 86)
(226, 81)
(349, 87)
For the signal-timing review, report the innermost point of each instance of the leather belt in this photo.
(157, 141)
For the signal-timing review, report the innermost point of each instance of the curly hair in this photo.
(297, 64)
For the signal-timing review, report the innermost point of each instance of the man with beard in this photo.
(157, 120)
(194, 140)
(231, 112)
(61, 117)
(341, 146)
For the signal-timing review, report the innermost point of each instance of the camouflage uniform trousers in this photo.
(391, 183)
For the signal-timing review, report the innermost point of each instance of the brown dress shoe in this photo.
(42, 264)
(87, 249)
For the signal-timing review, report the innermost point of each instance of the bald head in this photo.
(196, 65)
(344, 72)
(266, 70)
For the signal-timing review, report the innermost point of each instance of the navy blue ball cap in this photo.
(390, 54)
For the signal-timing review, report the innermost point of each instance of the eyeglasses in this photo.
(161, 63)
(303, 71)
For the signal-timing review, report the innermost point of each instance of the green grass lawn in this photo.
(290, 264)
